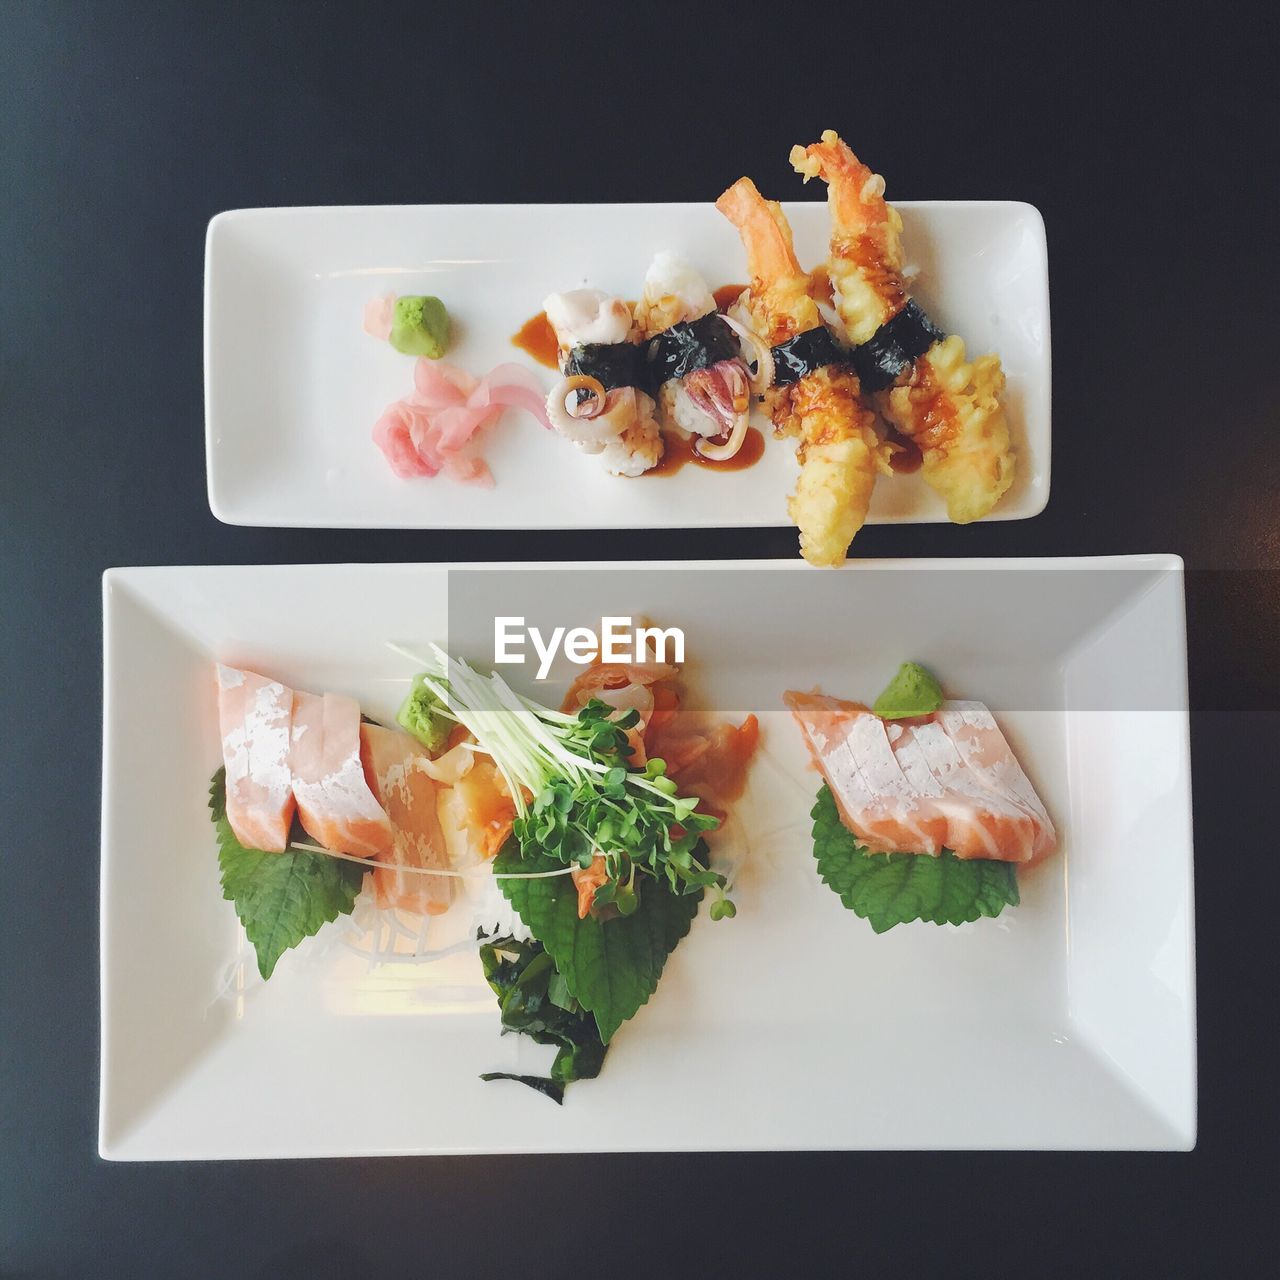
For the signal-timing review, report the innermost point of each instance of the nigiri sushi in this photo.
(599, 403)
(948, 780)
(694, 359)
(254, 716)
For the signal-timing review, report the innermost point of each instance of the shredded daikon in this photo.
(372, 864)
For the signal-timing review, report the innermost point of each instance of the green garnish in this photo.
(887, 889)
(420, 327)
(610, 967)
(912, 692)
(535, 1001)
(280, 898)
(425, 716)
(587, 799)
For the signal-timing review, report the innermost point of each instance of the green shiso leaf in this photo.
(912, 692)
(280, 898)
(610, 967)
(887, 889)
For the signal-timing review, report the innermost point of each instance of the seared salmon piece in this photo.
(254, 718)
(944, 781)
(335, 803)
(393, 766)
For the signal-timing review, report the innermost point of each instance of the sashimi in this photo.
(477, 810)
(625, 687)
(709, 759)
(947, 780)
(335, 803)
(254, 717)
(394, 769)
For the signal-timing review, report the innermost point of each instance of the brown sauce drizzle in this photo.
(907, 458)
(537, 338)
(866, 252)
(727, 294)
(933, 412)
(820, 286)
(679, 451)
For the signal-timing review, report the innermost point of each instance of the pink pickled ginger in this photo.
(430, 430)
(378, 316)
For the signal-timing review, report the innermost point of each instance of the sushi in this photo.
(948, 780)
(815, 396)
(920, 379)
(600, 403)
(693, 359)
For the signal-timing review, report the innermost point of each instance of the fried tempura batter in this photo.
(951, 408)
(839, 450)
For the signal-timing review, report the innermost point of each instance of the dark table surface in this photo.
(1149, 147)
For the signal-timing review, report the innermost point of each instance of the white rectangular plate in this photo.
(1066, 1022)
(293, 386)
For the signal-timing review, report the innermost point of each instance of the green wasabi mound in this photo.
(423, 715)
(420, 327)
(912, 692)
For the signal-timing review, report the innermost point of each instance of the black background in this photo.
(1149, 146)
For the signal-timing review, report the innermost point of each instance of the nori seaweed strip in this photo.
(913, 331)
(895, 346)
(690, 345)
(879, 361)
(806, 352)
(612, 364)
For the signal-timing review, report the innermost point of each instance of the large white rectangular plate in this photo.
(1067, 1022)
(293, 386)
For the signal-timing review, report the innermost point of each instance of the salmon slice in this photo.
(335, 803)
(393, 766)
(944, 781)
(254, 717)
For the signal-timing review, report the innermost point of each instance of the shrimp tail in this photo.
(765, 232)
(865, 262)
(777, 299)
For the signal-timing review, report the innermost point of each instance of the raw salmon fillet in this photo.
(335, 803)
(393, 766)
(948, 780)
(254, 718)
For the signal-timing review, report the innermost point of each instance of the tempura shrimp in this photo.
(920, 379)
(839, 450)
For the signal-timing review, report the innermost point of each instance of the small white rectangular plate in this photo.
(293, 385)
(1066, 1022)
